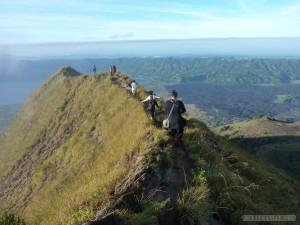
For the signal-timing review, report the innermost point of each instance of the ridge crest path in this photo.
(163, 182)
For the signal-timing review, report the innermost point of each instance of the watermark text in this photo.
(272, 218)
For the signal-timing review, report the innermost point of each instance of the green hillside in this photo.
(220, 70)
(274, 140)
(82, 147)
(287, 99)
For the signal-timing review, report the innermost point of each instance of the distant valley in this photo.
(229, 103)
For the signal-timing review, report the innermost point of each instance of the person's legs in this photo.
(179, 132)
(152, 114)
(173, 132)
(177, 137)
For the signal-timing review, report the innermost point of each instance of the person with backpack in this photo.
(173, 109)
(152, 103)
(114, 69)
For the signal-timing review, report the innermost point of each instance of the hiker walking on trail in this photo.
(152, 103)
(94, 70)
(114, 69)
(133, 87)
(111, 70)
(151, 94)
(173, 109)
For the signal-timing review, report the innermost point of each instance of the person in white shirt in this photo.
(133, 87)
(149, 97)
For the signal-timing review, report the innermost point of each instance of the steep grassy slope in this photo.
(240, 184)
(32, 119)
(83, 147)
(71, 141)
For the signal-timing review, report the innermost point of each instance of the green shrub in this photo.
(257, 116)
(11, 219)
(149, 214)
(194, 203)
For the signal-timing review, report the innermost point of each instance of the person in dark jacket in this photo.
(176, 121)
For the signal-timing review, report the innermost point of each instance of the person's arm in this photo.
(146, 99)
(181, 107)
(156, 103)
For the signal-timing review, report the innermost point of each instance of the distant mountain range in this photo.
(194, 77)
(171, 69)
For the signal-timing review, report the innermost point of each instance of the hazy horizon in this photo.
(247, 47)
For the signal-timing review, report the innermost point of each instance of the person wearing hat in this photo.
(173, 109)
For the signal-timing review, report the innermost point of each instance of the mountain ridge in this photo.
(94, 151)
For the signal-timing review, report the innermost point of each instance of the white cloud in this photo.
(122, 36)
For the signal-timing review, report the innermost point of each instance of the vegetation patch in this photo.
(10, 219)
(287, 99)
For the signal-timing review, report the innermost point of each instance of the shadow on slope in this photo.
(282, 151)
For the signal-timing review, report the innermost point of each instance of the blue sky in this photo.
(44, 21)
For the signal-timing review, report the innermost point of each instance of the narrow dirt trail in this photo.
(168, 182)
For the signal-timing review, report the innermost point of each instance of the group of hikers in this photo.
(112, 70)
(174, 108)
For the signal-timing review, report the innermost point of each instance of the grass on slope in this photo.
(276, 141)
(107, 126)
(94, 168)
(239, 183)
(34, 116)
(261, 126)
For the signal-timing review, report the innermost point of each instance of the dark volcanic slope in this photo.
(240, 101)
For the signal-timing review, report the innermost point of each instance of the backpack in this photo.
(151, 105)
